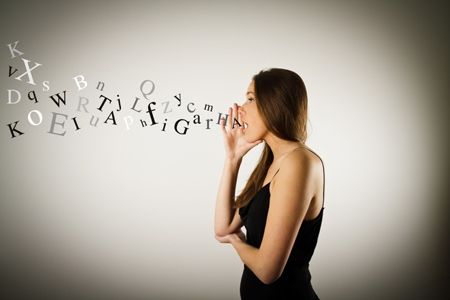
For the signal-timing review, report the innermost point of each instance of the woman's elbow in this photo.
(269, 278)
(269, 275)
(218, 231)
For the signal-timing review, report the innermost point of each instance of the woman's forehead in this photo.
(250, 88)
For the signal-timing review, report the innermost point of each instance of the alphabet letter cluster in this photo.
(145, 112)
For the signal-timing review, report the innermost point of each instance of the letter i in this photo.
(75, 122)
(164, 125)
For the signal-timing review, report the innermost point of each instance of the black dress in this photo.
(295, 281)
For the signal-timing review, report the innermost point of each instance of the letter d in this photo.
(10, 95)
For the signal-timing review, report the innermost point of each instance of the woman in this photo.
(281, 205)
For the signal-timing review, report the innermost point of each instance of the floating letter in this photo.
(52, 126)
(13, 129)
(185, 128)
(14, 50)
(28, 71)
(79, 80)
(60, 99)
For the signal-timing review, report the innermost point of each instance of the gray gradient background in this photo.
(116, 214)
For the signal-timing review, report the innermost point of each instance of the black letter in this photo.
(12, 129)
(150, 112)
(178, 98)
(63, 100)
(75, 121)
(111, 116)
(103, 102)
(11, 74)
(185, 128)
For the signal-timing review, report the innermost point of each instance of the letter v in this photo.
(11, 74)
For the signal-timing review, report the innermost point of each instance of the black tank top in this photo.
(295, 281)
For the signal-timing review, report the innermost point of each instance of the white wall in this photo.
(130, 212)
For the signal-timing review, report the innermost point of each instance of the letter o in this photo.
(30, 120)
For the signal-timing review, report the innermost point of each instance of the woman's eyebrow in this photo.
(249, 93)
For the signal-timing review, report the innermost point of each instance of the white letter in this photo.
(13, 49)
(30, 120)
(28, 71)
(9, 96)
(78, 80)
(46, 86)
(128, 121)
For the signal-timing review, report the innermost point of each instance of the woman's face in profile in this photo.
(254, 128)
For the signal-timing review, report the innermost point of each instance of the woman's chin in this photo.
(249, 138)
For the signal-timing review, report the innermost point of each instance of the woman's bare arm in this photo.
(227, 219)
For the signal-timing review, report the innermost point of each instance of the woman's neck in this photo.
(280, 147)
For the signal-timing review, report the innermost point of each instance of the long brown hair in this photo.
(282, 102)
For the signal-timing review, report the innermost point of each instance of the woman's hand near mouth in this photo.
(236, 146)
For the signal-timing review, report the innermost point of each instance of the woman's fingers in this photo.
(239, 117)
(230, 117)
(222, 125)
(235, 113)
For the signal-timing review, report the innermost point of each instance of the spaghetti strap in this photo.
(323, 168)
(284, 155)
(275, 175)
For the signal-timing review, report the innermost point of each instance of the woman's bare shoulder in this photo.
(299, 169)
(300, 163)
(303, 156)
